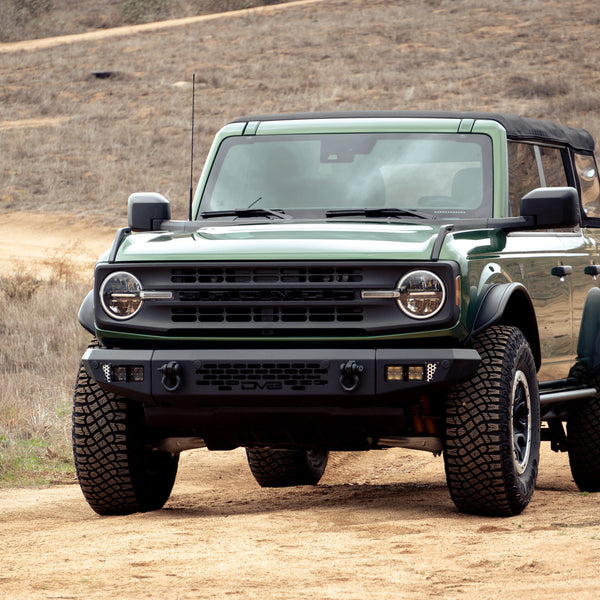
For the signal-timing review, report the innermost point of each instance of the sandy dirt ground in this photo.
(380, 525)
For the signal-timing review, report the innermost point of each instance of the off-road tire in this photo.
(284, 468)
(583, 439)
(492, 438)
(118, 472)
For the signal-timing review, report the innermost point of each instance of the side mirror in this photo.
(552, 207)
(146, 207)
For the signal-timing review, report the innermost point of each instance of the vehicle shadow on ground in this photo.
(429, 498)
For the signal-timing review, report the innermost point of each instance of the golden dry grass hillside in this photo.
(74, 142)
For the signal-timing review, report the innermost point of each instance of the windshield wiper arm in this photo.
(245, 213)
(375, 212)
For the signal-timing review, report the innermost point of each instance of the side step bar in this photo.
(564, 390)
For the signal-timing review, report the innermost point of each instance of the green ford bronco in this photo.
(353, 281)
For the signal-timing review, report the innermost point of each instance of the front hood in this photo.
(285, 241)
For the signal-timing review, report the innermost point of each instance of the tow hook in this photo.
(171, 377)
(350, 372)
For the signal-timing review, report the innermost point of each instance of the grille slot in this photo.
(274, 275)
(267, 314)
(296, 376)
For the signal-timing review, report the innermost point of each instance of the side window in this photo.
(523, 174)
(587, 174)
(531, 166)
(554, 169)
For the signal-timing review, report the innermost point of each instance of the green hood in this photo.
(293, 241)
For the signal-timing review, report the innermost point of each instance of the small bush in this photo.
(61, 266)
(20, 285)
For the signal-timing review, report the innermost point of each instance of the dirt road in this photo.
(31, 240)
(381, 525)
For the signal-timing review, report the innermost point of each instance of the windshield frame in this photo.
(226, 143)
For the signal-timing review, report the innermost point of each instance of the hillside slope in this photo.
(85, 124)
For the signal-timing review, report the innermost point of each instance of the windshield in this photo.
(438, 175)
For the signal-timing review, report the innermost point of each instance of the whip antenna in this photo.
(192, 148)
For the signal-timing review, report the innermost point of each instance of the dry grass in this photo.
(40, 347)
(73, 143)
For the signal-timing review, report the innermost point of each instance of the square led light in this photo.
(416, 373)
(119, 373)
(135, 373)
(394, 373)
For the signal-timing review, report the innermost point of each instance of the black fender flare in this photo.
(588, 343)
(509, 304)
(86, 313)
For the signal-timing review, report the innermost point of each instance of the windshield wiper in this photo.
(374, 212)
(245, 213)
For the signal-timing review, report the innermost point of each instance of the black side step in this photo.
(564, 390)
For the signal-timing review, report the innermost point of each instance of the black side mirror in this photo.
(552, 207)
(146, 207)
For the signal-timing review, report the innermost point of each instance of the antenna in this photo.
(192, 148)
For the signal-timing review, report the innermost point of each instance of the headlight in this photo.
(422, 294)
(121, 295)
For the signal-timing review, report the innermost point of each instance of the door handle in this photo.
(562, 271)
(593, 270)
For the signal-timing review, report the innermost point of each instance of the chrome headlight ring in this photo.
(121, 295)
(421, 294)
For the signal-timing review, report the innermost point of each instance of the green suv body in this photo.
(353, 281)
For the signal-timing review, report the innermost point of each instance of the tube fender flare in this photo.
(86, 313)
(511, 304)
(588, 343)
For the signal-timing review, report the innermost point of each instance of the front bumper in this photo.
(277, 378)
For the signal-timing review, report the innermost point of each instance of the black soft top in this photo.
(517, 128)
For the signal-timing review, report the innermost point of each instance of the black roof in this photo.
(517, 128)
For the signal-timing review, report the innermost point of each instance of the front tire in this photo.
(493, 428)
(118, 472)
(285, 468)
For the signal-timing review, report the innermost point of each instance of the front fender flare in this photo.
(86, 313)
(509, 304)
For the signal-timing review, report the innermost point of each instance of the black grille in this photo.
(239, 376)
(273, 294)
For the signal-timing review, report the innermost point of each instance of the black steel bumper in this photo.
(302, 378)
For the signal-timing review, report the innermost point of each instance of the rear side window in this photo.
(523, 174)
(531, 166)
(553, 168)
(589, 185)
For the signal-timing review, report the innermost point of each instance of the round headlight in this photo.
(422, 294)
(120, 295)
